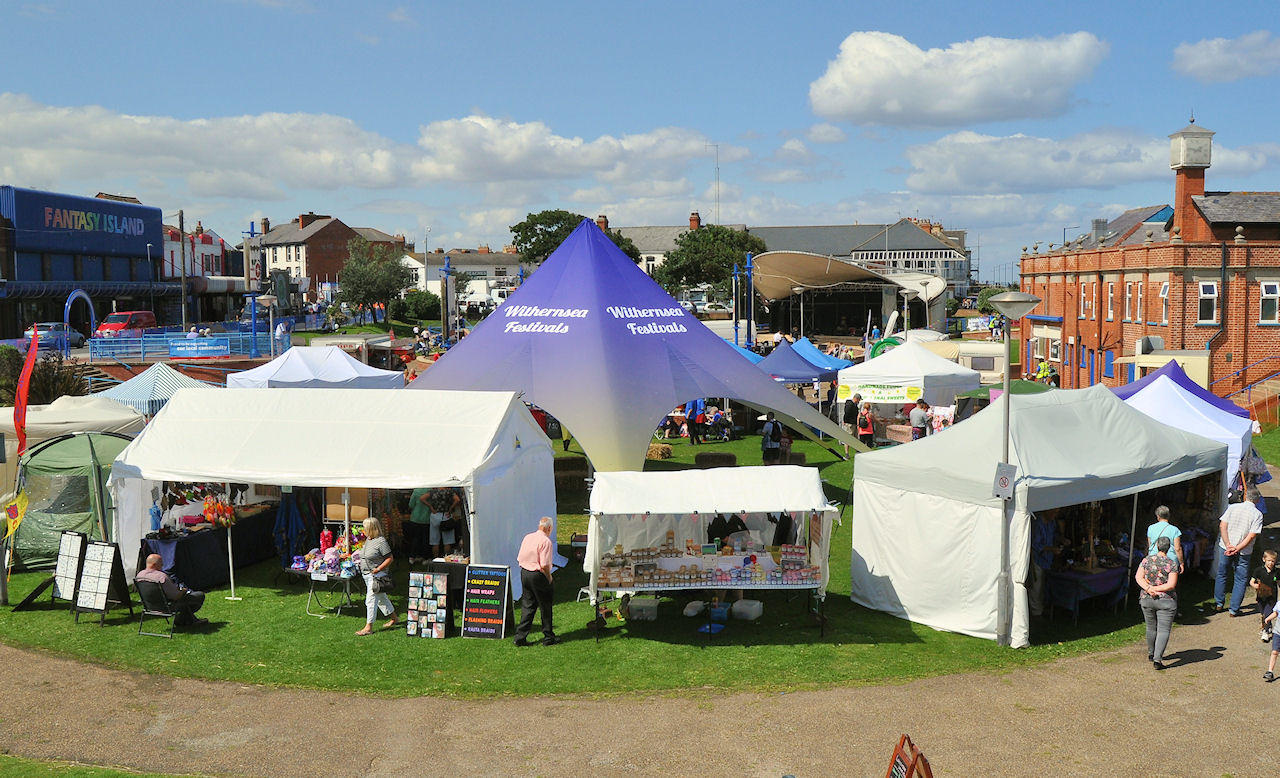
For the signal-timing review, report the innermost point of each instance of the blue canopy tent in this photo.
(811, 353)
(1179, 376)
(595, 342)
(784, 364)
(149, 390)
(750, 355)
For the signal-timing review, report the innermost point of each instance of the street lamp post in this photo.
(735, 304)
(1011, 305)
(751, 302)
(268, 300)
(1064, 234)
(907, 296)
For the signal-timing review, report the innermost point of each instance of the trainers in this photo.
(1268, 676)
(551, 640)
(1265, 636)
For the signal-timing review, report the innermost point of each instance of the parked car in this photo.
(689, 306)
(51, 333)
(125, 320)
(716, 308)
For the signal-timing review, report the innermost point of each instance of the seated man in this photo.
(184, 602)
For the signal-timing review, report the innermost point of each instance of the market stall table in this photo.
(1068, 588)
(332, 581)
(199, 559)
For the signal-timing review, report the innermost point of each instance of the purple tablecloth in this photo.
(1068, 588)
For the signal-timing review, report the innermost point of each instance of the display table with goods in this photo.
(664, 532)
(196, 552)
(334, 563)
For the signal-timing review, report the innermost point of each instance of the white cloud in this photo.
(881, 78)
(793, 150)
(825, 133)
(786, 176)
(400, 15)
(1100, 159)
(1217, 60)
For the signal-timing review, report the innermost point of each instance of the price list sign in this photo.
(484, 603)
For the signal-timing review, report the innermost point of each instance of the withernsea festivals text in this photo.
(616, 311)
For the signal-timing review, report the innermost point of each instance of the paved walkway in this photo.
(1104, 714)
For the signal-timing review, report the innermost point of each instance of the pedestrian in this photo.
(1044, 547)
(375, 563)
(1263, 581)
(919, 418)
(1163, 529)
(417, 530)
(1239, 525)
(866, 421)
(770, 440)
(1157, 576)
(695, 414)
(537, 586)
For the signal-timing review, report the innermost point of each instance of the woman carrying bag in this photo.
(375, 563)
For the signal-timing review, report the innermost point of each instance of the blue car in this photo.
(54, 333)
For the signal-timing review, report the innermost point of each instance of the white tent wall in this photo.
(910, 365)
(132, 498)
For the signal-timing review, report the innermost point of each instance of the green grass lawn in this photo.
(267, 638)
(17, 767)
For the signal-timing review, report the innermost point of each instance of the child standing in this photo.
(1263, 581)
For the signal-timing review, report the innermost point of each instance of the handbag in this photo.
(381, 583)
(449, 524)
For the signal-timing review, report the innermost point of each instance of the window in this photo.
(1128, 301)
(499, 272)
(1111, 301)
(1164, 303)
(1093, 306)
(1055, 350)
(1208, 313)
(1270, 306)
(982, 363)
(1039, 347)
(1083, 305)
(1141, 313)
(1109, 364)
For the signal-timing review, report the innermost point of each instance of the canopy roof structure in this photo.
(599, 345)
(914, 366)
(805, 348)
(747, 354)
(327, 367)
(1174, 372)
(718, 489)
(779, 274)
(933, 499)
(484, 442)
(1170, 402)
(786, 365)
(149, 390)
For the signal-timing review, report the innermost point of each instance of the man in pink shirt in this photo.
(535, 581)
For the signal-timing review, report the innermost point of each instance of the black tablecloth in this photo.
(199, 560)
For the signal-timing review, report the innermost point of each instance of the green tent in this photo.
(65, 479)
(974, 400)
(1016, 386)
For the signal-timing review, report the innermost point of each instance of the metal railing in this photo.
(157, 346)
(1242, 370)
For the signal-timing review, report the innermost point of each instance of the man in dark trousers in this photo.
(535, 582)
(184, 601)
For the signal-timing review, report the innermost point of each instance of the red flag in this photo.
(24, 388)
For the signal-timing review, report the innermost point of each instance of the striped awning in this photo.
(151, 389)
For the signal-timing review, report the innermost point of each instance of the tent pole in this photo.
(231, 562)
(1133, 527)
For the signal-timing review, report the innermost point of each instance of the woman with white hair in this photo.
(375, 562)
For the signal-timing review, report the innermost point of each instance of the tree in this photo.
(706, 256)
(542, 233)
(52, 377)
(416, 306)
(373, 274)
(984, 297)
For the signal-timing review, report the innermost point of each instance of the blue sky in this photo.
(1010, 120)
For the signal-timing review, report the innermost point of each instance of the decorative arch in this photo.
(77, 294)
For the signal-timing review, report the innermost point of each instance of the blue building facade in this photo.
(52, 244)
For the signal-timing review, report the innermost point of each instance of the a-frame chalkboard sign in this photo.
(101, 582)
(66, 575)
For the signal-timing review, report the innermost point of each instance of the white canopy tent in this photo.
(914, 506)
(636, 509)
(63, 416)
(327, 367)
(487, 443)
(905, 374)
(1169, 403)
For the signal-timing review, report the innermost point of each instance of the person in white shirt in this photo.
(1237, 528)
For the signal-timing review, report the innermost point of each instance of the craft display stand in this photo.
(331, 581)
(101, 582)
(66, 574)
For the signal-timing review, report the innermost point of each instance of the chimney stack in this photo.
(695, 221)
(484, 248)
(1098, 229)
(266, 225)
(305, 219)
(602, 222)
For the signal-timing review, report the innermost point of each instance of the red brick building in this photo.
(315, 246)
(1198, 281)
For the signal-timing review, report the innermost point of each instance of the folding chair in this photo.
(154, 604)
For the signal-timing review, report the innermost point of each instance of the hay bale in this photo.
(658, 451)
(708, 459)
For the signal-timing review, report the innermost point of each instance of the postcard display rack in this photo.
(665, 552)
(427, 605)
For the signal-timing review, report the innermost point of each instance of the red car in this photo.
(111, 326)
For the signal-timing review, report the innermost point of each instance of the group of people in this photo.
(697, 421)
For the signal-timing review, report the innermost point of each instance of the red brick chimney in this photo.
(305, 219)
(266, 225)
(602, 222)
(1190, 152)
(695, 221)
(484, 248)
